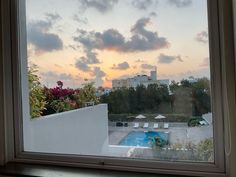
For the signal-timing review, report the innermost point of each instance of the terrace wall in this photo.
(81, 131)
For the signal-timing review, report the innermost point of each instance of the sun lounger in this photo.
(156, 125)
(119, 124)
(145, 125)
(166, 125)
(126, 124)
(136, 125)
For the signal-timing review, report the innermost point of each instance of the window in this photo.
(77, 58)
(144, 120)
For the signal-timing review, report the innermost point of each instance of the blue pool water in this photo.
(142, 139)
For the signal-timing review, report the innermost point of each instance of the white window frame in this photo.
(11, 130)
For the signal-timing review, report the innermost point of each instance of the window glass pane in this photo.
(120, 78)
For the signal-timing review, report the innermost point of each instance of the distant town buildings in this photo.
(103, 91)
(192, 79)
(139, 80)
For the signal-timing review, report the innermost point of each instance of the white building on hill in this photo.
(139, 80)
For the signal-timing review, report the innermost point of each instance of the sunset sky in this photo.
(102, 40)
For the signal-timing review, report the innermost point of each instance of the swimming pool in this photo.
(142, 139)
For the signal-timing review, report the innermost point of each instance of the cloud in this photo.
(51, 77)
(166, 59)
(98, 73)
(95, 72)
(143, 4)
(53, 17)
(58, 66)
(144, 40)
(111, 39)
(121, 66)
(99, 76)
(54, 75)
(80, 20)
(153, 14)
(82, 65)
(39, 36)
(199, 73)
(125, 76)
(72, 47)
(91, 57)
(89, 44)
(101, 6)
(180, 3)
(139, 61)
(202, 37)
(147, 66)
(205, 62)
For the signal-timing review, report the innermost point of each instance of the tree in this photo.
(201, 97)
(183, 101)
(136, 100)
(152, 97)
(133, 101)
(141, 98)
(174, 86)
(192, 98)
(185, 83)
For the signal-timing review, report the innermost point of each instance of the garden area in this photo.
(150, 117)
(45, 101)
(203, 151)
(181, 102)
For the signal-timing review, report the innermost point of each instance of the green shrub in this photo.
(194, 121)
(159, 142)
(205, 150)
(87, 94)
(36, 94)
(61, 105)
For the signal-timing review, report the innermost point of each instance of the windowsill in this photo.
(18, 169)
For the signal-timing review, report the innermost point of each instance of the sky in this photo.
(79, 41)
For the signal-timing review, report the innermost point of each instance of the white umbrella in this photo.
(160, 117)
(140, 116)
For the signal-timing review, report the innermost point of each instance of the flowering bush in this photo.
(59, 99)
(59, 93)
(45, 101)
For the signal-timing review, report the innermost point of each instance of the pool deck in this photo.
(181, 134)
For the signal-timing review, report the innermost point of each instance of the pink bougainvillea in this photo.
(61, 99)
(58, 92)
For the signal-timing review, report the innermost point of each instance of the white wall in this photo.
(83, 131)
